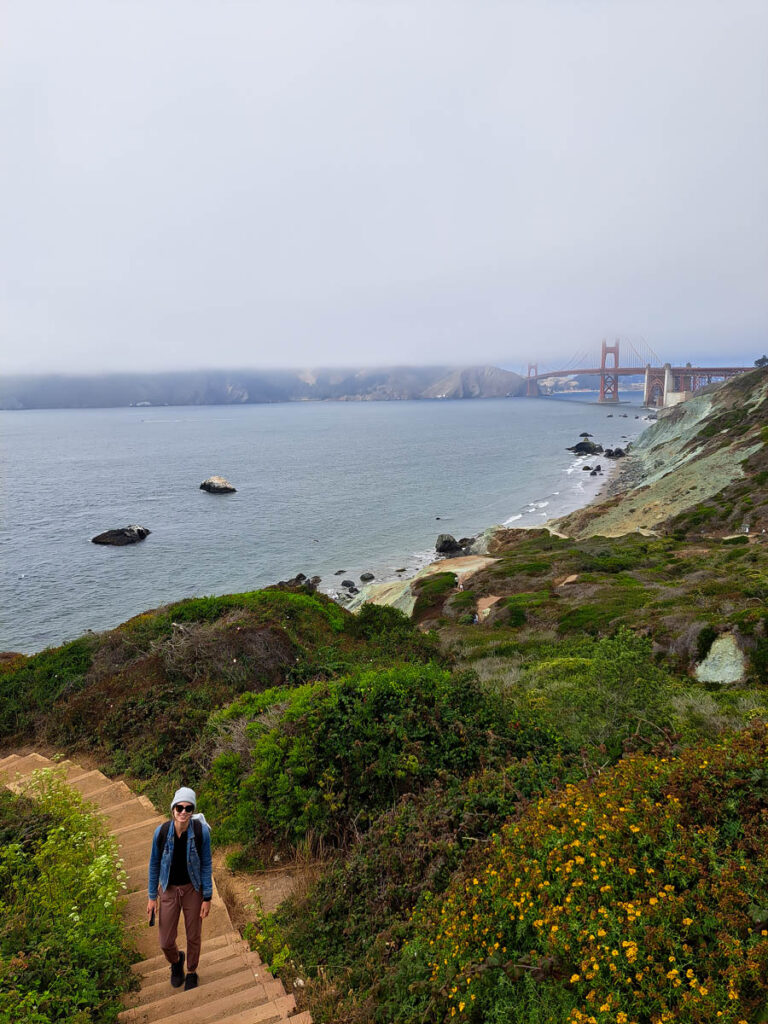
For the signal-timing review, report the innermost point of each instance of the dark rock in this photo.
(446, 544)
(352, 590)
(586, 468)
(366, 577)
(585, 434)
(593, 473)
(598, 468)
(316, 580)
(348, 583)
(614, 453)
(339, 572)
(400, 570)
(586, 448)
(119, 538)
(609, 416)
(217, 485)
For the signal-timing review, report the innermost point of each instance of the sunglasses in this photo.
(185, 808)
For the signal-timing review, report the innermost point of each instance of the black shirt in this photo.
(179, 874)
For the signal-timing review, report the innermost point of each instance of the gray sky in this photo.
(214, 183)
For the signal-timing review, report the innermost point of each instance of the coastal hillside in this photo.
(702, 469)
(244, 387)
(537, 798)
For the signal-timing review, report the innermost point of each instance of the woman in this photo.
(180, 866)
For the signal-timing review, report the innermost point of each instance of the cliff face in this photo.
(702, 469)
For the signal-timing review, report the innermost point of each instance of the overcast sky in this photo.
(214, 183)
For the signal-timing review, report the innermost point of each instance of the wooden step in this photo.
(90, 781)
(245, 1006)
(225, 967)
(305, 1017)
(209, 960)
(126, 813)
(147, 967)
(110, 795)
(135, 830)
(275, 1011)
(26, 765)
(171, 1000)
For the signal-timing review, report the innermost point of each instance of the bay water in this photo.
(321, 487)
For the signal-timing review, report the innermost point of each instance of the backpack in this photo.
(197, 829)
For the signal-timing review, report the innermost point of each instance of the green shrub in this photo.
(704, 641)
(62, 950)
(640, 896)
(36, 684)
(324, 759)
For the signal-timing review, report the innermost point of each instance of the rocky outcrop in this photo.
(217, 485)
(125, 535)
(725, 662)
(585, 448)
(689, 471)
(446, 544)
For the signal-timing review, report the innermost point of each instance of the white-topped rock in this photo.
(217, 485)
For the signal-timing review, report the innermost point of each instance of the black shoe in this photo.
(177, 972)
(191, 981)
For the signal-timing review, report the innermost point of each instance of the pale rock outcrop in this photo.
(725, 662)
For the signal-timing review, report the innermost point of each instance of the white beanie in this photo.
(185, 795)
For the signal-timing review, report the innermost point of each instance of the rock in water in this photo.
(119, 538)
(367, 577)
(446, 544)
(586, 448)
(217, 485)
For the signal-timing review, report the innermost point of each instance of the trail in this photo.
(234, 987)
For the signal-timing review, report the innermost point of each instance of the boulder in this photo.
(366, 577)
(339, 572)
(585, 434)
(446, 544)
(586, 448)
(119, 538)
(725, 662)
(217, 485)
(348, 583)
(587, 469)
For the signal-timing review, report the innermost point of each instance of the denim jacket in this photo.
(199, 868)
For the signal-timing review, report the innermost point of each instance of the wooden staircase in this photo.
(234, 986)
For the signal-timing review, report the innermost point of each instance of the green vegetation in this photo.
(639, 895)
(62, 952)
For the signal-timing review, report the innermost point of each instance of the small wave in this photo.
(513, 519)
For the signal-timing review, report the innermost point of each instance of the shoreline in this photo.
(396, 592)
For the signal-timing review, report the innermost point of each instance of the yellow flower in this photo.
(461, 1006)
(575, 978)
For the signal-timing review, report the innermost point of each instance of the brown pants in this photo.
(175, 899)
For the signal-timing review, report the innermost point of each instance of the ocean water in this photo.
(359, 486)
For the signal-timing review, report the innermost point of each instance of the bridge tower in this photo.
(609, 382)
(532, 389)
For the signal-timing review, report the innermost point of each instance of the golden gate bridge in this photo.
(664, 384)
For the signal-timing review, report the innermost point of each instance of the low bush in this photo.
(639, 896)
(62, 952)
(323, 760)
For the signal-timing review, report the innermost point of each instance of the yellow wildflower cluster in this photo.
(610, 892)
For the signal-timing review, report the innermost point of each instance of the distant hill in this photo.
(245, 387)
